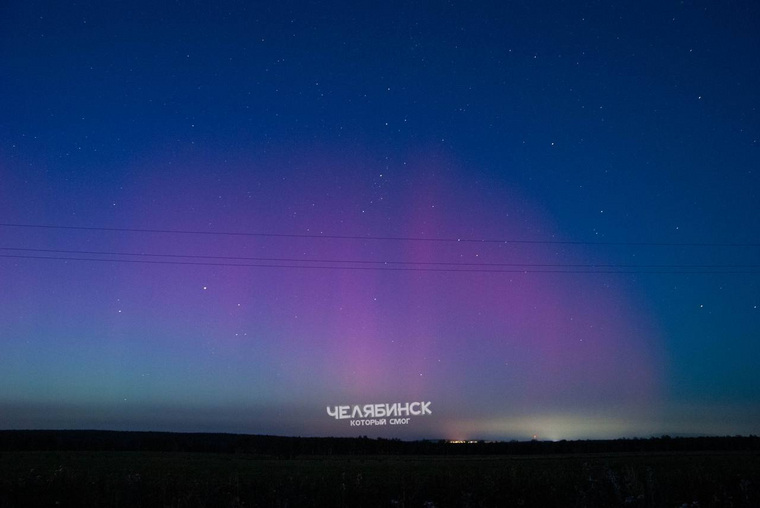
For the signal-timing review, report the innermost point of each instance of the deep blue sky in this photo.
(588, 137)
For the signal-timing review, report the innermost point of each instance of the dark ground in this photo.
(88, 469)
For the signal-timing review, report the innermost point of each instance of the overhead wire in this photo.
(381, 238)
(360, 261)
(590, 269)
(366, 264)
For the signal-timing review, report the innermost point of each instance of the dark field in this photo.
(181, 479)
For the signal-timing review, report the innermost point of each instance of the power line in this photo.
(380, 262)
(382, 268)
(382, 238)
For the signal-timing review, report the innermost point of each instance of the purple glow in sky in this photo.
(342, 321)
(230, 217)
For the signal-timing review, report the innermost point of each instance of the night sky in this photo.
(539, 216)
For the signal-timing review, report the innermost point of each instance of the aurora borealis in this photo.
(541, 218)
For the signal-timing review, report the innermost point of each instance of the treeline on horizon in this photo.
(291, 447)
